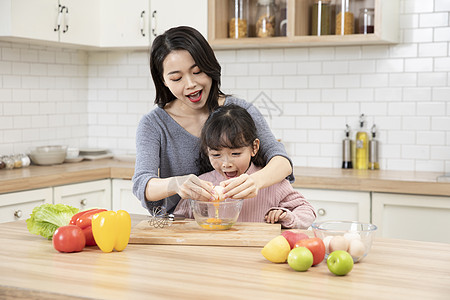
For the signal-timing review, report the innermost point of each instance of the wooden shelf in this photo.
(298, 31)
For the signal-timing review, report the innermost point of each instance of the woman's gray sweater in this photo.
(162, 144)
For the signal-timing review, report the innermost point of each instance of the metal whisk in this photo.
(160, 218)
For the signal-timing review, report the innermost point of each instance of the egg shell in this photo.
(338, 243)
(356, 248)
(326, 241)
(219, 193)
(352, 236)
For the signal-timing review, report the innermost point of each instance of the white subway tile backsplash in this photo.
(442, 34)
(422, 35)
(418, 6)
(434, 19)
(433, 49)
(417, 94)
(430, 138)
(432, 79)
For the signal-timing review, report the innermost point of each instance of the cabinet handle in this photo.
(142, 23)
(154, 23)
(18, 214)
(66, 19)
(321, 212)
(58, 18)
(83, 202)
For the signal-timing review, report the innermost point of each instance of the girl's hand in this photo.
(275, 216)
(242, 187)
(192, 187)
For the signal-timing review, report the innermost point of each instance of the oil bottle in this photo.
(362, 145)
(347, 150)
(373, 150)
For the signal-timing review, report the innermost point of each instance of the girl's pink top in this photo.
(299, 212)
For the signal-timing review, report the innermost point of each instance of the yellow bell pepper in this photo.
(111, 230)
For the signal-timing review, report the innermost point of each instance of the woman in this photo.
(186, 75)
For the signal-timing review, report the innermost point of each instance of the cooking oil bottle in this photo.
(373, 150)
(347, 150)
(362, 145)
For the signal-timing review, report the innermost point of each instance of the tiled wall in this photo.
(52, 95)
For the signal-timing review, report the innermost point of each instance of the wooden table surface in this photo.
(30, 268)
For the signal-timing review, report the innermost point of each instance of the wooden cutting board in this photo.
(188, 232)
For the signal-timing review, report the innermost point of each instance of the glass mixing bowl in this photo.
(219, 215)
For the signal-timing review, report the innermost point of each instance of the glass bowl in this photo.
(352, 236)
(215, 215)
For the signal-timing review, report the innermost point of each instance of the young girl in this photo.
(186, 75)
(229, 146)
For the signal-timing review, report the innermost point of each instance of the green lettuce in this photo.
(45, 219)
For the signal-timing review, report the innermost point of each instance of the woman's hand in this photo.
(241, 187)
(192, 187)
(275, 216)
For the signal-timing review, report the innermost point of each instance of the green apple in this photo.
(339, 262)
(276, 250)
(300, 259)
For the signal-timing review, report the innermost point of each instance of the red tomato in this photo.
(316, 246)
(69, 238)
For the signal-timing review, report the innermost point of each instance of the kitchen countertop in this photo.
(32, 269)
(306, 177)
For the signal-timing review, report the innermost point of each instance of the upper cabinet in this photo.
(295, 23)
(98, 24)
(170, 13)
(67, 21)
(125, 23)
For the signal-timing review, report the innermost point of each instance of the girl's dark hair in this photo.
(229, 126)
(189, 39)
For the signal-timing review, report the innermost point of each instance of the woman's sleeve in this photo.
(148, 146)
(270, 147)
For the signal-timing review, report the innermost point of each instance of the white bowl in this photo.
(72, 153)
(48, 155)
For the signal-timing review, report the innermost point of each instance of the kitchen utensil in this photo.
(187, 232)
(48, 155)
(356, 236)
(216, 215)
(373, 150)
(160, 218)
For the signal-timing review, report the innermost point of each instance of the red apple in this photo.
(316, 246)
(293, 237)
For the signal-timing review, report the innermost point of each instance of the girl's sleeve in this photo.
(299, 212)
(148, 146)
(270, 147)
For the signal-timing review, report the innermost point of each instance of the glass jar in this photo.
(345, 20)
(366, 20)
(238, 23)
(265, 18)
(322, 11)
(9, 162)
(282, 19)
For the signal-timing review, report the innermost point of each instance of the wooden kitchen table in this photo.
(30, 268)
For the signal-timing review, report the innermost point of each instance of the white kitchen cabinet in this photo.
(123, 197)
(67, 21)
(338, 205)
(125, 23)
(412, 217)
(19, 205)
(85, 195)
(170, 13)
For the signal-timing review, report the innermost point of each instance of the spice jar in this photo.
(265, 18)
(322, 11)
(238, 24)
(344, 17)
(366, 20)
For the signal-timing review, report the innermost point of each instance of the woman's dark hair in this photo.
(189, 39)
(229, 126)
